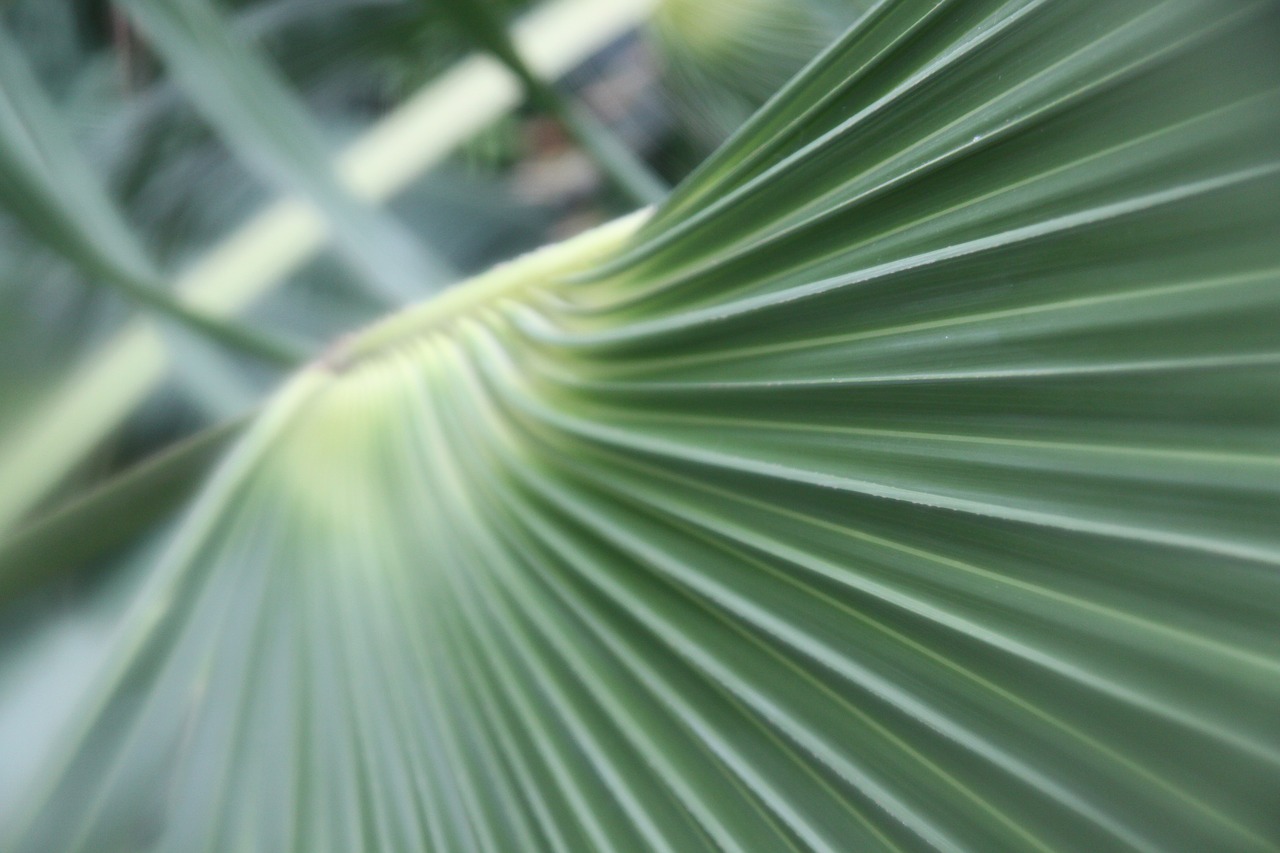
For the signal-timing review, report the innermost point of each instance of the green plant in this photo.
(907, 479)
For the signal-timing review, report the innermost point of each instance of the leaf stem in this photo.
(271, 348)
(628, 172)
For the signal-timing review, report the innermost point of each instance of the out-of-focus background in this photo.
(297, 168)
(667, 81)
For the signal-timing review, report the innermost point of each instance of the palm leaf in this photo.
(722, 59)
(908, 480)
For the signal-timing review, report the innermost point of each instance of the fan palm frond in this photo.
(907, 480)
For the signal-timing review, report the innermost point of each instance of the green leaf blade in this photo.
(907, 482)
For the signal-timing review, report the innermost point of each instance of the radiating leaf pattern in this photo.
(909, 480)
